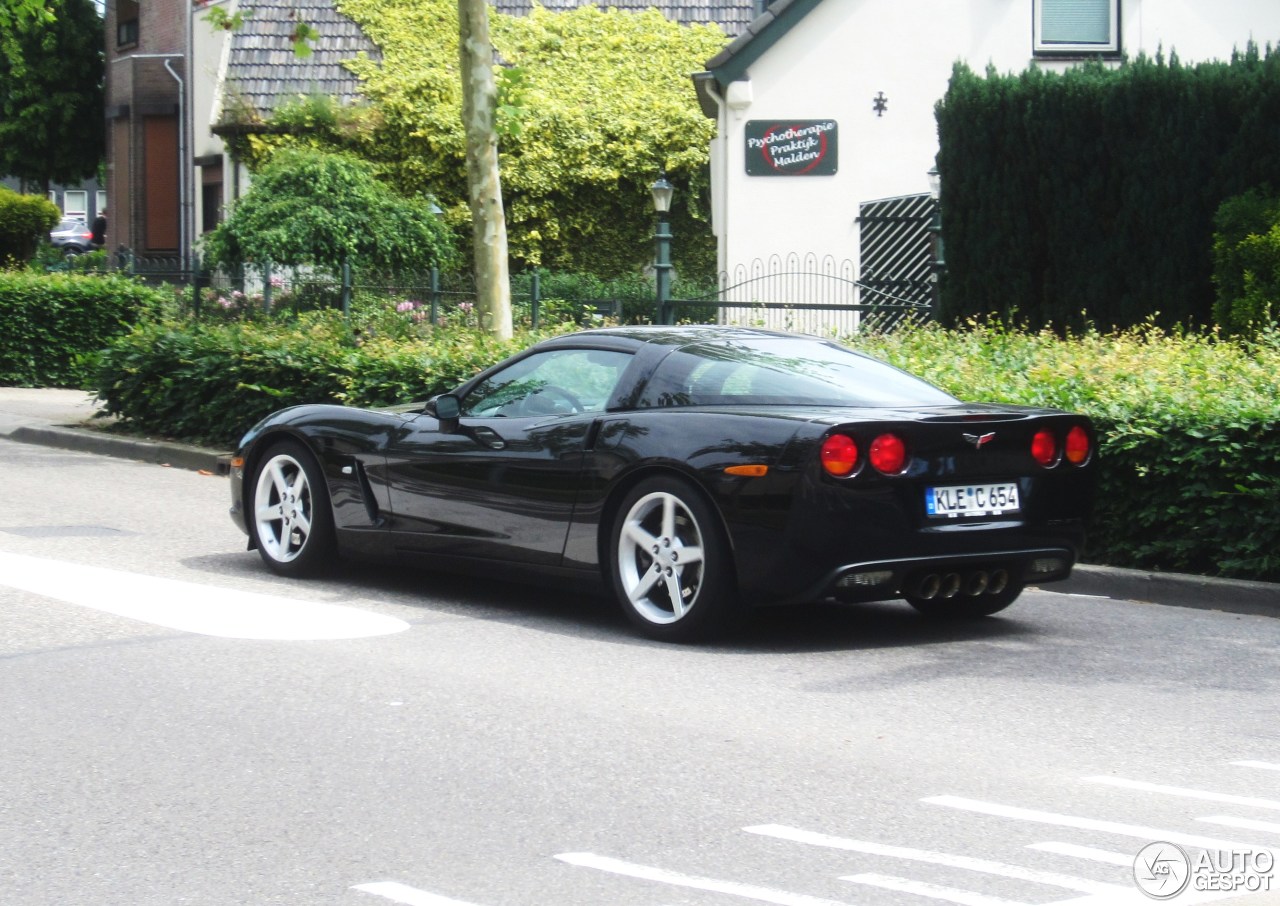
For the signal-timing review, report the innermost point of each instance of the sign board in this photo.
(791, 147)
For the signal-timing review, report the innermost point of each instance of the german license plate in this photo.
(972, 500)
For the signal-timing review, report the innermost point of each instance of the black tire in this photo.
(964, 607)
(290, 516)
(666, 597)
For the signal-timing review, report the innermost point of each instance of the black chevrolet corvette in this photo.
(692, 471)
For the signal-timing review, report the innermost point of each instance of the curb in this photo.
(182, 456)
(1172, 589)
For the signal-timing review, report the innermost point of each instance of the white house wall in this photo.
(839, 57)
(209, 48)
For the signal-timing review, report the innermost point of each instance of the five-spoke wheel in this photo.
(291, 519)
(670, 566)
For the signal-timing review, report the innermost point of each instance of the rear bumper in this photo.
(947, 575)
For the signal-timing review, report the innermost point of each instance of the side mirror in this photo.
(448, 409)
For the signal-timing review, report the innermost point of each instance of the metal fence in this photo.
(802, 293)
(805, 294)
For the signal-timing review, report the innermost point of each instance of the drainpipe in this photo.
(709, 88)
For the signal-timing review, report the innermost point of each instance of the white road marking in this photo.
(1270, 827)
(192, 607)
(935, 891)
(1145, 787)
(1146, 834)
(936, 858)
(410, 896)
(1084, 852)
(735, 888)
(1264, 765)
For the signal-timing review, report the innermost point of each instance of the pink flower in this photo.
(407, 305)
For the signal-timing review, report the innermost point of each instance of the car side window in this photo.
(554, 382)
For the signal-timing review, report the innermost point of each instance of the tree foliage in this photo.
(602, 101)
(1089, 196)
(312, 207)
(51, 92)
(15, 12)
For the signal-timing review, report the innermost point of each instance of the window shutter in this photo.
(1075, 21)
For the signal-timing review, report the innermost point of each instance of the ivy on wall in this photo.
(593, 104)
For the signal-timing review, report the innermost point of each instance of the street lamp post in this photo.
(662, 190)
(935, 227)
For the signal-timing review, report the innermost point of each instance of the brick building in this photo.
(147, 135)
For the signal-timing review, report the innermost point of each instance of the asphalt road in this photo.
(180, 726)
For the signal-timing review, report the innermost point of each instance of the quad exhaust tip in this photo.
(972, 584)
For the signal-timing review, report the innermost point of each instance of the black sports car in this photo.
(691, 470)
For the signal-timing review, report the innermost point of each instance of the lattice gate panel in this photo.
(897, 247)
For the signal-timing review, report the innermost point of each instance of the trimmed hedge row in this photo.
(52, 324)
(1189, 425)
(209, 383)
(1091, 193)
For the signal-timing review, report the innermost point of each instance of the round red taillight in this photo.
(888, 454)
(839, 455)
(1044, 448)
(1077, 447)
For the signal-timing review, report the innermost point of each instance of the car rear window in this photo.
(782, 372)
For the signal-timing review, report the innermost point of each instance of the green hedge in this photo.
(50, 323)
(210, 383)
(1090, 195)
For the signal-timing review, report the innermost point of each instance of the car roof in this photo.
(635, 336)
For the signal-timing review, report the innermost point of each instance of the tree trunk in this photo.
(484, 185)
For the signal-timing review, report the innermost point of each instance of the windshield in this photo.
(783, 371)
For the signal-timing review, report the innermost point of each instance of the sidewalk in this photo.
(65, 419)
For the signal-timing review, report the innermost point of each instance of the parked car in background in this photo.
(72, 236)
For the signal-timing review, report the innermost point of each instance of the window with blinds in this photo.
(1077, 26)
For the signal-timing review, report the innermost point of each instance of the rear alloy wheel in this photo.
(671, 566)
(292, 522)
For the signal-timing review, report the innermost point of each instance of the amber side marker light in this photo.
(747, 471)
(237, 462)
(839, 455)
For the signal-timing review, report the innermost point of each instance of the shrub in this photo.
(51, 323)
(25, 221)
(310, 207)
(211, 382)
(1246, 261)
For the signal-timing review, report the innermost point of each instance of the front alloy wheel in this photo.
(292, 523)
(671, 570)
